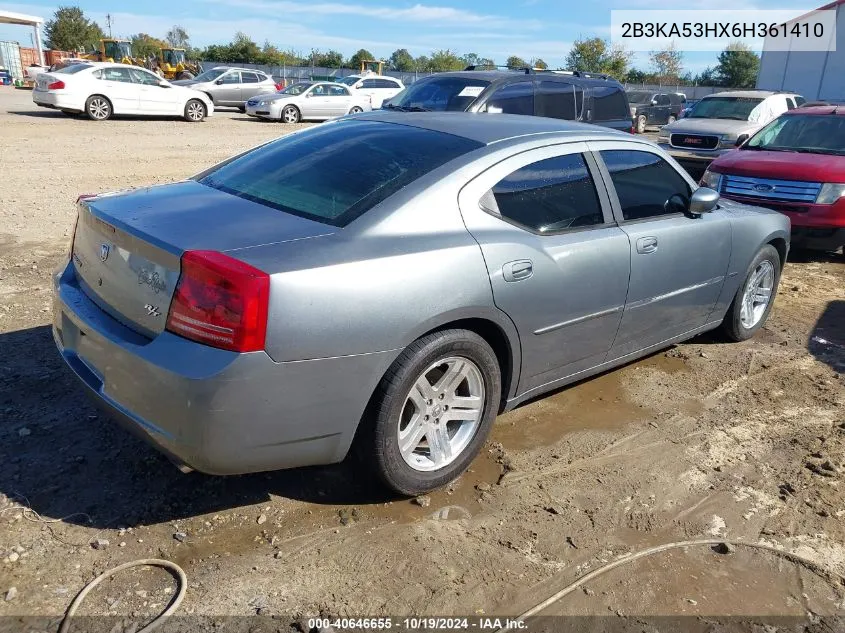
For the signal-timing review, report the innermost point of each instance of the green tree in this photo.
(598, 55)
(667, 63)
(270, 55)
(738, 66)
(144, 46)
(444, 60)
(402, 60)
(516, 62)
(242, 50)
(539, 63)
(706, 77)
(177, 37)
(70, 30)
(422, 64)
(329, 59)
(362, 55)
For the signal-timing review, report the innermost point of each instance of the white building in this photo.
(814, 75)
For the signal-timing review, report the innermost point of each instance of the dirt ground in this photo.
(707, 439)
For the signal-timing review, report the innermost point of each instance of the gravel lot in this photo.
(745, 441)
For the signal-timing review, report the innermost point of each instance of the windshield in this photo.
(296, 89)
(440, 93)
(174, 57)
(210, 75)
(335, 172)
(639, 97)
(349, 81)
(117, 50)
(736, 108)
(814, 134)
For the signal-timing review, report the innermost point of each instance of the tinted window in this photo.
(231, 78)
(114, 73)
(441, 93)
(338, 91)
(818, 134)
(677, 99)
(516, 98)
(647, 186)
(559, 100)
(609, 103)
(737, 108)
(370, 83)
(249, 78)
(143, 77)
(334, 172)
(550, 195)
(384, 83)
(663, 100)
(800, 101)
(72, 69)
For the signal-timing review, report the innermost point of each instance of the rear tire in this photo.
(754, 299)
(450, 368)
(290, 114)
(98, 108)
(195, 111)
(641, 121)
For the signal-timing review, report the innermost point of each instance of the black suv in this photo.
(654, 108)
(574, 96)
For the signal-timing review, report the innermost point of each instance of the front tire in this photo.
(98, 108)
(290, 114)
(433, 411)
(641, 121)
(195, 111)
(753, 301)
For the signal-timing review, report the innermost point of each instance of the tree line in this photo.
(737, 65)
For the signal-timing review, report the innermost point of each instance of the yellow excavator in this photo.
(372, 65)
(174, 65)
(112, 50)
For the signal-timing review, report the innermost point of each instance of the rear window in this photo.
(70, 70)
(609, 103)
(335, 172)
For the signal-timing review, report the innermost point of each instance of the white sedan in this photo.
(316, 101)
(100, 90)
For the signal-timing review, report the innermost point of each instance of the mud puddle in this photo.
(599, 403)
(698, 581)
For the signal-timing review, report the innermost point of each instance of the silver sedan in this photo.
(315, 101)
(391, 282)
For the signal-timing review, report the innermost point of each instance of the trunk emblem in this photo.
(104, 252)
(763, 187)
(152, 310)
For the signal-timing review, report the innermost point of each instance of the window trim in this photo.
(596, 147)
(472, 193)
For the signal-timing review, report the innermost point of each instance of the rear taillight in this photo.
(220, 301)
(56, 85)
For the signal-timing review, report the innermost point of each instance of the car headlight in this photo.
(727, 140)
(830, 193)
(663, 138)
(711, 179)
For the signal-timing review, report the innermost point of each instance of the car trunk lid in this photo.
(127, 246)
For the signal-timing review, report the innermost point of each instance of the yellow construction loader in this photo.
(112, 50)
(372, 65)
(174, 65)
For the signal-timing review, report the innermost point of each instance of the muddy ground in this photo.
(708, 439)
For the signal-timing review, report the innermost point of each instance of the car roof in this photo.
(490, 128)
(819, 110)
(761, 94)
(521, 75)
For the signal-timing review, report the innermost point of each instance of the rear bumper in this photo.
(215, 411)
(56, 100)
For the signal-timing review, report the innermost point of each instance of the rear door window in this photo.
(663, 100)
(609, 104)
(335, 172)
(515, 98)
(114, 73)
(559, 100)
(249, 78)
(549, 196)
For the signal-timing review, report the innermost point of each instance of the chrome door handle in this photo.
(646, 245)
(518, 270)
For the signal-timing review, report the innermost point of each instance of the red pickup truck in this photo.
(795, 165)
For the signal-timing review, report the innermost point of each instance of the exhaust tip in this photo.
(182, 467)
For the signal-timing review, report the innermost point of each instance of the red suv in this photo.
(795, 165)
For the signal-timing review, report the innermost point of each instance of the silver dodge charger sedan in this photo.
(390, 282)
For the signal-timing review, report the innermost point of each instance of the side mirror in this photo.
(703, 200)
(742, 138)
(654, 102)
(219, 82)
(163, 84)
(494, 110)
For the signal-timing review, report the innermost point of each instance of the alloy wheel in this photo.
(758, 294)
(99, 109)
(441, 414)
(196, 111)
